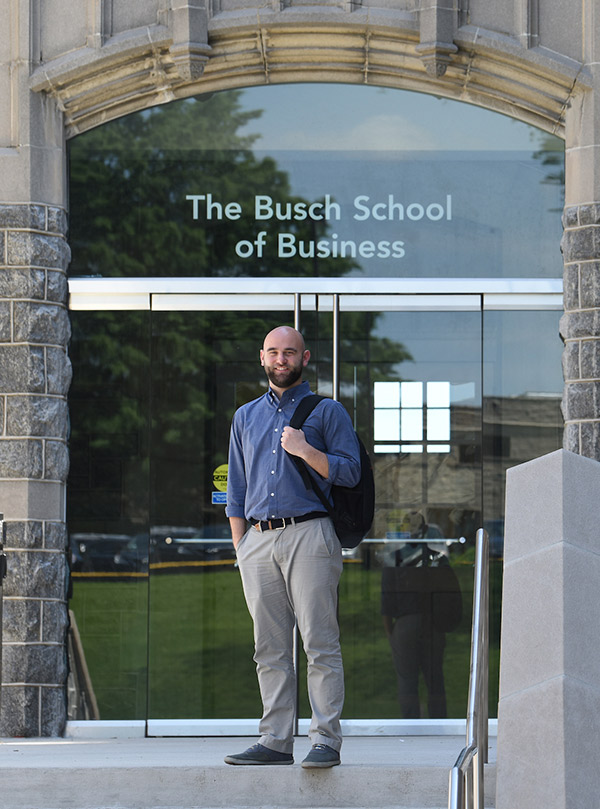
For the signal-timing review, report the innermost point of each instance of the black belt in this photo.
(277, 523)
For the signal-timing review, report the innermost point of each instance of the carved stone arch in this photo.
(143, 68)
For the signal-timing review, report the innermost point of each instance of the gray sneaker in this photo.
(321, 755)
(259, 754)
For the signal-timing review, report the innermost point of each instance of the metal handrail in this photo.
(466, 777)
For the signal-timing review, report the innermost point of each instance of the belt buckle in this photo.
(285, 520)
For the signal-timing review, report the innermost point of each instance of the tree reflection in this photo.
(130, 180)
(172, 392)
(551, 154)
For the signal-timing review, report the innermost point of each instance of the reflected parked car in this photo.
(166, 545)
(172, 545)
(95, 553)
(133, 557)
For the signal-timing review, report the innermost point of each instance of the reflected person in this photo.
(290, 558)
(420, 602)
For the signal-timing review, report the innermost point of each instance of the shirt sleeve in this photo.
(341, 446)
(236, 473)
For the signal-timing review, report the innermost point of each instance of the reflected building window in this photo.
(411, 417)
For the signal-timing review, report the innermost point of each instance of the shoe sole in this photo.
(319, 765)
(245, 762)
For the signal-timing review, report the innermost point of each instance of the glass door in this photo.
(408, 370)
(410, 375)
(205, 364)
(159, 624)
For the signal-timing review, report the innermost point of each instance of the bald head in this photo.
(287, 334)
(284, 356)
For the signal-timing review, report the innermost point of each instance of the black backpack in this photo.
(353, 508)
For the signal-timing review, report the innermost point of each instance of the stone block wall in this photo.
(35, 375)
(580, 329)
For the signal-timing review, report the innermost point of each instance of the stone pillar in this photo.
(549, 709)
(580, 329)
(580, 325)
(34, 378)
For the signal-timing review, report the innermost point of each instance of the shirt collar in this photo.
(291, 393)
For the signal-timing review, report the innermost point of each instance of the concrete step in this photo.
(189, 773)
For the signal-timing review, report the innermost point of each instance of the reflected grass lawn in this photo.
(197, 646)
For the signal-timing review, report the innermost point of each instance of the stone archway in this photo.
(146, 68)
(74, 67)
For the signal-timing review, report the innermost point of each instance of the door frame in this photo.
(135, 293)
(336, 295)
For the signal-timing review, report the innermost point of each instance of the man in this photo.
(290, 558)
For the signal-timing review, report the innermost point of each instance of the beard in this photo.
(284, 379)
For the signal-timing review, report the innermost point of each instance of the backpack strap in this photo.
(303, 410)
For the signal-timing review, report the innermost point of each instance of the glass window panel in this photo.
(411, 394)
(232, 199)
(460, 393)
(522, 420)
(438, 394)
(419, 495)
(386, 394)
(387, 425)
(147, 181)
(438, 425)
(411, 425)
(204, 367)
(107, 509)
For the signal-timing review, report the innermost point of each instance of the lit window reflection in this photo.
(414, 412)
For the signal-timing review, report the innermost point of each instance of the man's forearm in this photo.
(316, 459)
(294, 442)
(238, 529)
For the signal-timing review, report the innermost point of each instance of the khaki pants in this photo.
(294, 572)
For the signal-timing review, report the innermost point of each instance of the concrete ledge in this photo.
(105, 729)
(137, 729)
(190, 773)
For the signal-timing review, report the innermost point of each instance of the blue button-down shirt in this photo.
(263, 481)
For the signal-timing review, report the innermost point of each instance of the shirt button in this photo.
(276, 430)
(274, 451)
(272, 471)
(279, 410)
(272, 494)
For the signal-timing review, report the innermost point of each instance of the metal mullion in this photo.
(296, 636)
(335, 355)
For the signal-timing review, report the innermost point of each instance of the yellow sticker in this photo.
(220, 478)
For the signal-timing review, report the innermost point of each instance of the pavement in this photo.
(189, 773)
